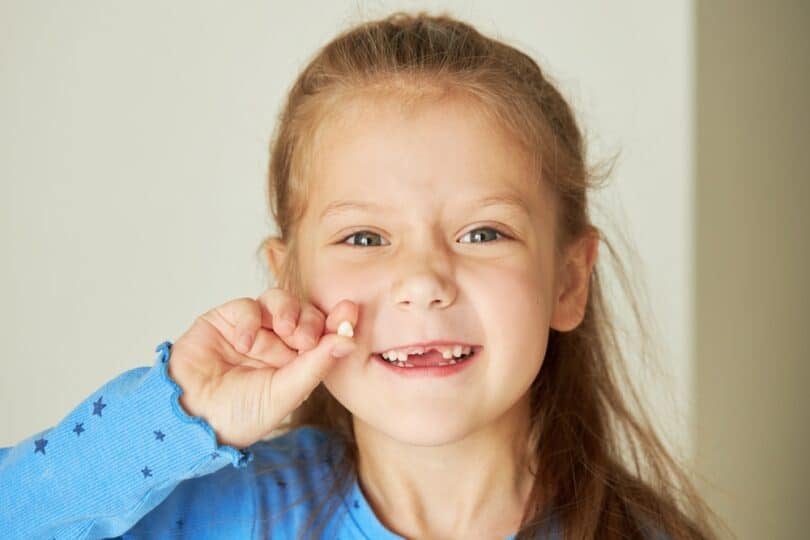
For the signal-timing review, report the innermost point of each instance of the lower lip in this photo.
(430, 371)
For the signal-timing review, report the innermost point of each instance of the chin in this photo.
(422, 429)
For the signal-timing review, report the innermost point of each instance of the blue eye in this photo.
(360, 234)
(498, 233)
(365, 235)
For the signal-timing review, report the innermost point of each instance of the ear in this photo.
(572, 292)
(276, 251)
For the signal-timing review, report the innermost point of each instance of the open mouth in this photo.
(430, 359)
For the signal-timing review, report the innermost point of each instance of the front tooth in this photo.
(457, 351)
(402, 356)
(447, 354)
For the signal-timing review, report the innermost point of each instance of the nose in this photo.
(424, 280)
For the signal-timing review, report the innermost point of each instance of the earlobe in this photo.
(275, 251)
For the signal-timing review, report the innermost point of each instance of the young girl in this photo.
(436, 362)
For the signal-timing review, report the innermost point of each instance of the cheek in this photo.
(329, 284)
(515, 308)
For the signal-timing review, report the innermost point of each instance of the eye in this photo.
(364, 235)
(475, 233)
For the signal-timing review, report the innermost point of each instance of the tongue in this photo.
(430, 358)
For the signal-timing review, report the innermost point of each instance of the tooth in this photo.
(402, 356)
(457, 350)
(345, 329)
(466, 350)
(451, 362)
(447, 354)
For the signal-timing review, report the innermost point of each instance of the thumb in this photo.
(297, 379)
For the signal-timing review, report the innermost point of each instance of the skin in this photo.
(440, 457)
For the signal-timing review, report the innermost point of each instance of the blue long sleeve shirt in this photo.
(129, 462)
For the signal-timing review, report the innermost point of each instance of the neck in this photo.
(476, 486)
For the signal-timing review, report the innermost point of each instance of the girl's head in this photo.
(436, 178)
(432, 220)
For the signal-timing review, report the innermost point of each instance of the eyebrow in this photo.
(503, 199)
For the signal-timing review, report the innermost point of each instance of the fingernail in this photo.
(342, 349)
(245, 342)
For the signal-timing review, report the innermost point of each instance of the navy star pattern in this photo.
(97, 406)
(146, 471)
(40, 443)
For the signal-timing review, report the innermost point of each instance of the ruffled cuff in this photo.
(238, 457)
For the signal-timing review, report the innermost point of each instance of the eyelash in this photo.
(502, 236)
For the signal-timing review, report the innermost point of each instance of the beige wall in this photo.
(753, 232)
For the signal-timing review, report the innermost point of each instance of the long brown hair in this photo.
(604, 472)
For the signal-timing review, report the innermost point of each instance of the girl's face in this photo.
(404, 253)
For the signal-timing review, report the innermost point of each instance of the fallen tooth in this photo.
(345, 329)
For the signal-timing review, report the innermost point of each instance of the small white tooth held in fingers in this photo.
(345, 329)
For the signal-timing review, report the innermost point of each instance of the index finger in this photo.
(280, 310)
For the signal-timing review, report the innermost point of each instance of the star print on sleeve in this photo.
(78, 429)
(146, 472)
(159, 435)
(41, 444)
(97, 406)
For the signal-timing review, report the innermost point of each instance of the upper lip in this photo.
(435, 343)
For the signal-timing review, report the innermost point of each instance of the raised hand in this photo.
(245, 365)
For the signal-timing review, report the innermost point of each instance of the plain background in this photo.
(133, 149)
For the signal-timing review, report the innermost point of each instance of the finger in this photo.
(270, 350)
(280, 311)
(248, 319)
(295, 382)
(345, 310)
(310, 328)
(235, 319)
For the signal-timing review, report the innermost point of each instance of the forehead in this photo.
(428, 153)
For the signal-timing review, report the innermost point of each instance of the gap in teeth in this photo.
(448, 353)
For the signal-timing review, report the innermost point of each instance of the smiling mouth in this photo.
(432, 358)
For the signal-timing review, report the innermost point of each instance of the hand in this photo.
(244, 390)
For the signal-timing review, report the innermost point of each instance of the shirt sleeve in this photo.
(110, 461)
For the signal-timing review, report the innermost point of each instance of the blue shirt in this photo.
(129, 462)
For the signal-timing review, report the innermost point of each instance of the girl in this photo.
(436, 362)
